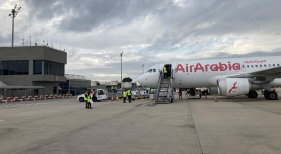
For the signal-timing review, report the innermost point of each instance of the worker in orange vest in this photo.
(93, 95)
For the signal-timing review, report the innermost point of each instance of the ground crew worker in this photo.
(124, 96)
(169, 71)
(87, 98)
(93, 95)
(180, 94)
(129, 93)
(165, 72)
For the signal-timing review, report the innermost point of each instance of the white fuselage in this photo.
(206, 72)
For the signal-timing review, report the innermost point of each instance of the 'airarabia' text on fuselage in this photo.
(205, 68)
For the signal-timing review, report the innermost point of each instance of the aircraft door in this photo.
(169, 70)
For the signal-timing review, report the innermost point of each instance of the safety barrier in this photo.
(29, 98)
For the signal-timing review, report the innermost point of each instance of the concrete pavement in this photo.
(64, 126)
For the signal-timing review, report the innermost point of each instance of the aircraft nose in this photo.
(141, 80)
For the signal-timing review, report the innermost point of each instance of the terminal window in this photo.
(48, 67)
(14, 67)
(37, 64)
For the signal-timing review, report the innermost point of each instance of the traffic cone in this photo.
(216, 100)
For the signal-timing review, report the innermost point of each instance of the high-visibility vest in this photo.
(124, 94)
(165, 70)
(86, 97)
(129, 92)
(89, 98)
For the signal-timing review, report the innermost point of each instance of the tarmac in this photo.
(189, 126)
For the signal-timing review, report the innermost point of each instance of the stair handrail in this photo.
(158, 85)
(170, 88)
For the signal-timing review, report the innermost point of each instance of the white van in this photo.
(100, 94)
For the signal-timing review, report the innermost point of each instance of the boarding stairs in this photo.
(164, 91)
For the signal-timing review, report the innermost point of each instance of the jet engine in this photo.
(235, 86)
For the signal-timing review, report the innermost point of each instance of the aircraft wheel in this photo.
(81, 99)
(252, 94)
(272, 95)
(266, 95)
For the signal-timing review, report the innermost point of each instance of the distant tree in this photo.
(98, 83)
(127, 79)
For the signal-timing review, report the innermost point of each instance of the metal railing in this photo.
(158, 85)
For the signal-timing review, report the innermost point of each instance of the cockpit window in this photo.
(154, 70)
(150, 70)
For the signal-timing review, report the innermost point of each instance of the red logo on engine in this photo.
(233, 87)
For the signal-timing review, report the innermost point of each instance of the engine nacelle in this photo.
(235, 86)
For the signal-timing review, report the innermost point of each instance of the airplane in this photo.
(232, 76)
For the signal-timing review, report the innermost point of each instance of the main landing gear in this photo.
(270, 95)
(252, 94)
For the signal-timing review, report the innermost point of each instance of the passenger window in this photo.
(277, 64)
(269, 65)
(273, 65)
(257, 66)
(252, 66)
(247, 66)
(264, 65)
(243, 66)
(261, 65)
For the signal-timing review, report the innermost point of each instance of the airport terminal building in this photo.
(75, 84)
(31, 70)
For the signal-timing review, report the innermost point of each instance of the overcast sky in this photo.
(94, 32)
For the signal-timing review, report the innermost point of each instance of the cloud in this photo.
(95, 32)
(83, 16)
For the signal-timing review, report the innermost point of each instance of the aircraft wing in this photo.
(271, 72)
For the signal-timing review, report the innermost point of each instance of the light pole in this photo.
(142, 67)
(15, 11)
(121, 67)
(104, 79)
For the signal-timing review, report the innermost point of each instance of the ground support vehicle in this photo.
(100, 94)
